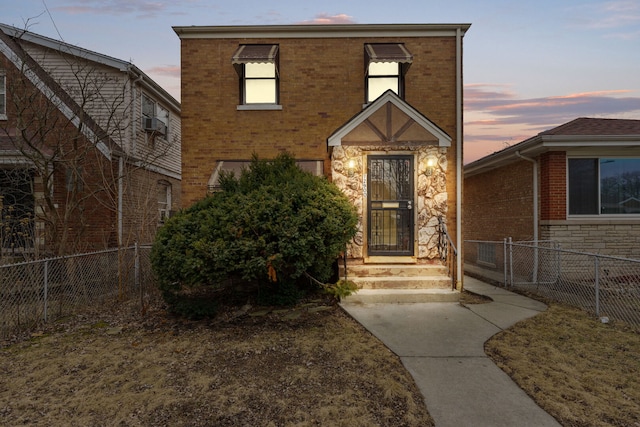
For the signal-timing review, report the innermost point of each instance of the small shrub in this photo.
(341, 289)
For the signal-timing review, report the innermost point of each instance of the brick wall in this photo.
(321, 88)
(499, 203)
(553, 186)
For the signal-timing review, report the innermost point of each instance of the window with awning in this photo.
(385, 67)
(257, 67)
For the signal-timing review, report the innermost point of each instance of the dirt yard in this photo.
(310, 366)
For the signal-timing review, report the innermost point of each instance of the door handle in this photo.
(409, 204)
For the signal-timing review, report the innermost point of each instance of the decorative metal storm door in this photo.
(390, 205)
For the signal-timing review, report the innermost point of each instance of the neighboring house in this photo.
(577, 184)
(375, 108)
(89, 148)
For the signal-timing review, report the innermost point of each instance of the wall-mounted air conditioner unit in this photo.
(152, 124)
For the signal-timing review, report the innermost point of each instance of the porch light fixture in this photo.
(351, 166)
(431, 162)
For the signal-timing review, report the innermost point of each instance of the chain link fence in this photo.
(606, 286)
(45, 290)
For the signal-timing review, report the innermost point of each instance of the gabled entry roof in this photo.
(389, 119)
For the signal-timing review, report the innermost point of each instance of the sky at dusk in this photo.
(528, 66)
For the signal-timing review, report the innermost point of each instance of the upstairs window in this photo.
(386, 65)
(3, 95)
(604, 186)
(155, 118)
(257, 67)
(164, 200)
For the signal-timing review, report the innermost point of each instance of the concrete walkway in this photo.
(442, 346)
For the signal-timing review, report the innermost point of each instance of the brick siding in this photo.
(322, 86)
(499, 203)
(553, 186)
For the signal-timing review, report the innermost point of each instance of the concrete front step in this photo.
(403, 270)
(401, 296)
(402, 282)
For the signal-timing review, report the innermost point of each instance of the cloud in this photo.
(326, 19)
(501, 106)
(623, 15)
(166, 70)
(495, 116)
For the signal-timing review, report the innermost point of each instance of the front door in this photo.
(390, 205)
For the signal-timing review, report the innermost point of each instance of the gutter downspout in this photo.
(460, 284)
(535, 212)
(134, 128)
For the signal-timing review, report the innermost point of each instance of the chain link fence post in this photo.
(597, 284)
(46, 287)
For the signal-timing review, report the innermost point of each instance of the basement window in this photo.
(315, 167)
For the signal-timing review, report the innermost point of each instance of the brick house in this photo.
(577, 184)
(375, 108)
(89, 148)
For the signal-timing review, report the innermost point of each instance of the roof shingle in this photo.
(590, 126)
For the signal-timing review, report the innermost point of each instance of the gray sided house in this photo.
(89, 148)
(577, 184)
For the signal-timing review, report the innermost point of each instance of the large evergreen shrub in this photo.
(270, 225)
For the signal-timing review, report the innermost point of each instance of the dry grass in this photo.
(286, 368)
(295, 368)
(581, 371)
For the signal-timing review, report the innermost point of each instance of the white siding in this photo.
(113, 99)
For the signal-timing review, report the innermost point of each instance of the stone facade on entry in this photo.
(431, 192)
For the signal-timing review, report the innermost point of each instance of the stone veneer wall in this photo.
(431, 192)
(614, 238)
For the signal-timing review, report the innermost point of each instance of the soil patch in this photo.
(308, 365)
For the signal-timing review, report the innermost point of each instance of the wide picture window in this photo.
(604, 186)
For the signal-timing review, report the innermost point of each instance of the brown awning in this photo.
(388, 52)
(264, 53)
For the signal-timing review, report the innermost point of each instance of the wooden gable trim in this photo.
(388, 100)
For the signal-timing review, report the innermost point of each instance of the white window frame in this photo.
(164, 206)
(159, 112)
(3, 95)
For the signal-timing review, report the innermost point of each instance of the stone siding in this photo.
(614, 238)
(431, 192)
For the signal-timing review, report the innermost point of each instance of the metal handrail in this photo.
(447, 251)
